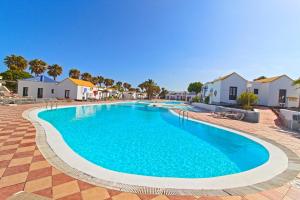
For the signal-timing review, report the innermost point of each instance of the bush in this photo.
(206, 100)
(196, 99)
(247, 100)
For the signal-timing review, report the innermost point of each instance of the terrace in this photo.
(23, 167)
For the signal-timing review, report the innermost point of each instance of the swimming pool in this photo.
(136, 139)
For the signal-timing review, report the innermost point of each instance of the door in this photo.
(25, 91)
(67, 94)
(282, 96)
(40, 93)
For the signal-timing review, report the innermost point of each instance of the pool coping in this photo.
(279, 179)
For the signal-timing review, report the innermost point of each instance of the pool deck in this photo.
(23, 168)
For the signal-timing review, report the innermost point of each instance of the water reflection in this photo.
(85, 111)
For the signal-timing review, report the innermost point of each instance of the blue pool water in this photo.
(137, 139)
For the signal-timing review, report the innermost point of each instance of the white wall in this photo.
(66, 85)
(33, 88)
(281, 83)
(232, 81)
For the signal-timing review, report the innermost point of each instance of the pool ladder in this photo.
(183, 114)
(51, 105)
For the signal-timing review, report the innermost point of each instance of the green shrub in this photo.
(196, 99)
(206, 100)
(247, 100)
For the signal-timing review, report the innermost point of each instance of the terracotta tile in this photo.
(13, 179)
(6, 157)
(95, 193)
(38, 158)
(255, 197)
(39, 165)
(2, 171)
(65, 189)
(55, 171)
(20, 161)
(27, 144)
(10, 190)
(9, 151)
(16, 170)
(23, 154)
(84, 185)
(45, 192)
(4, 163)
(11, 142)
(147, 196)
(161, 197)
(36, 153)
(8, 147)
(126, 196)
(232, 198)
(39, 173)
(76, 196)
(38, 184)
(61, 178)
(24, 149)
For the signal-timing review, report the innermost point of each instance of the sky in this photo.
(173, 42)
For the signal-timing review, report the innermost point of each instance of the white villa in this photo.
(274, 91)
(180, 95)
(37, 87)
(224, 90)
(45, 87)
(71, 88)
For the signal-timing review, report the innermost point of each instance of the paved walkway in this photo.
(23, 168)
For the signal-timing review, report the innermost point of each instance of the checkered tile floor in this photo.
(23, 168)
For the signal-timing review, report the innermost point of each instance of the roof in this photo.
(226, 76)
(81, 82)
(268, 80)
(41, 78)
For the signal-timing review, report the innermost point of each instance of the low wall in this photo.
(250, 116)
(205, 106)
(287, 119)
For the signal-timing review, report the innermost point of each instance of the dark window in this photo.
(40, 93)
(232, 93)
(52, 91)
(255, 91)
(67, 94)
(25, 91)
(282, 96)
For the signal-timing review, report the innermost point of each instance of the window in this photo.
(255, 91)
(67, 94)
(52, 91)
(232, 93)
(40, 93)
(25, 91)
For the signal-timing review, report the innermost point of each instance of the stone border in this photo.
(276, 181)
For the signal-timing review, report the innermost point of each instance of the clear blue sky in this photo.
(173, 42)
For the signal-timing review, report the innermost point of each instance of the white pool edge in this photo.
(277, 163)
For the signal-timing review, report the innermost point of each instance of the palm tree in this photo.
(74, 73)
(37, 66)
(86, 76)
(108, 82)
(100, 80)
(95, 80)
(119, 85)
(163, 93)
(54, 70)
(15, 63)
(127, 86)
(150, 87)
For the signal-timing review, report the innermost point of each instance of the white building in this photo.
(224, 90)
(180, 95)
(71, 88)
(276, 91)
(37, 87)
